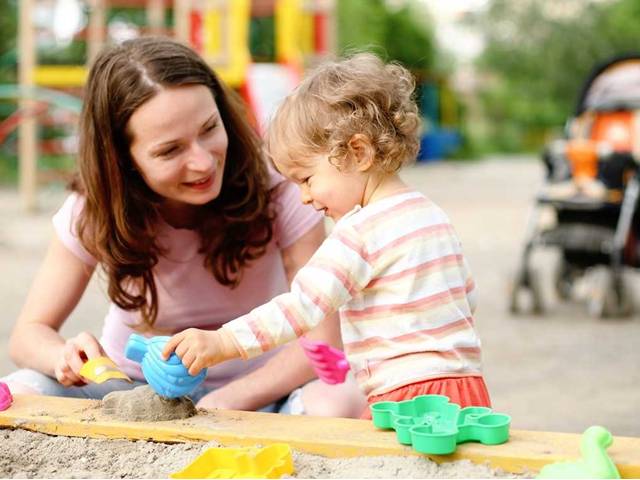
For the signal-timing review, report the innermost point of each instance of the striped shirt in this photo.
(395, 272)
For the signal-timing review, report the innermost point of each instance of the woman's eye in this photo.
(169, 153)
(306, 180)
(210, 128)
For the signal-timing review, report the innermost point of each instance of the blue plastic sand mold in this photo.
(433, 425)
(168, 378)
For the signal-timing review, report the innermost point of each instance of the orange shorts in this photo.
(465, 391)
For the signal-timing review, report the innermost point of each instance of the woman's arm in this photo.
(56, 290)
(289, 368)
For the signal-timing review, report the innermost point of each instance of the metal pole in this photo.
(181, 14)
(155, 16)
(96, 29)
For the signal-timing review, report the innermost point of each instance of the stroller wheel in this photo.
(526, 294)
(564, 280)
(608, 298)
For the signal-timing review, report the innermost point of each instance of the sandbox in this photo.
(323, 447)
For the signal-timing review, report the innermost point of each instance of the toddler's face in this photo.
(332, 191)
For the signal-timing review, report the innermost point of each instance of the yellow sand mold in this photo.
(250, 462)
(101, 369)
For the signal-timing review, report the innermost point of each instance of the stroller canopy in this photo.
(614, 85)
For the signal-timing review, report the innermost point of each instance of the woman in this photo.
(174, 202)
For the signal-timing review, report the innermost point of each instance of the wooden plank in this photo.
(331, 437)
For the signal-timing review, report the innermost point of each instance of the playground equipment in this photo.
(439, 108)
(43, 100)
(217, 29)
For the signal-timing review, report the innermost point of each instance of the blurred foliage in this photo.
(46, 163)
(8, 40)
(262, 39)
(73, 53)
(538, 55)
(8, 74)
(404, 33)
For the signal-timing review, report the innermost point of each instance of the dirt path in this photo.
(562, 372)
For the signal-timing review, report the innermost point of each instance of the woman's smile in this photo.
(203, 183)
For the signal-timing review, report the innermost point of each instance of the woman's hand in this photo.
(75, 352)
(35, 342)
(200, 349)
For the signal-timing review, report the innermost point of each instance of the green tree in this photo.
(361, 24)
(403, 34)
(538, 54)
(8, 36)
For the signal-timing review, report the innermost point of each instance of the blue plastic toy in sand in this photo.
(433, 425)
(168, 378)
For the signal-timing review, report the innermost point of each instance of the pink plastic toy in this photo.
(330, 364)
(5, 397)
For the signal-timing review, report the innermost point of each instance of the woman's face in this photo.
(179, 145)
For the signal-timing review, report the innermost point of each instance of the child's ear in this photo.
(362, 152)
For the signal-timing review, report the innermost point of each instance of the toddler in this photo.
(392, 266)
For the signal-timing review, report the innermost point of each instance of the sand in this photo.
(142, 404)
(25, 454)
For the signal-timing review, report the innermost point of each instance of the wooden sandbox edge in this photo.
(526, 451)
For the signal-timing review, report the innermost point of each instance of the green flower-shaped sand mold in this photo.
(433, 425)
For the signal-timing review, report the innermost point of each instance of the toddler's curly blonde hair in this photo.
(356, 95)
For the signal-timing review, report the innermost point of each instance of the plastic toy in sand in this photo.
(168, 378)
(269, 462)
(433, 425)
(6, 399)
(101, 369)
(595, 462)
(329, 363)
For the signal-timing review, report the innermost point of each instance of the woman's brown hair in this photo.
(119, 220)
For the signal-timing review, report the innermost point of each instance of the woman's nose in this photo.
(199, 157)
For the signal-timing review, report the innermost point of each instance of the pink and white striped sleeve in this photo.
(337, 270)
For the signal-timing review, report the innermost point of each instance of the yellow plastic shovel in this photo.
(101, 369)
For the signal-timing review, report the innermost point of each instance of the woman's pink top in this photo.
(188, 294)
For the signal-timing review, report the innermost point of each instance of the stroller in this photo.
(592, 189)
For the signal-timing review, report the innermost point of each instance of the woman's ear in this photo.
(362, 152)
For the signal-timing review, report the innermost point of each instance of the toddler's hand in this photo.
(199, 349)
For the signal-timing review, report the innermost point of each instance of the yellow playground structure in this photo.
(218, 29)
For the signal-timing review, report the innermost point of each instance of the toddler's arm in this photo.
(338, 270)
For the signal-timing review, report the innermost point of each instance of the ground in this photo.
(561, 372)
